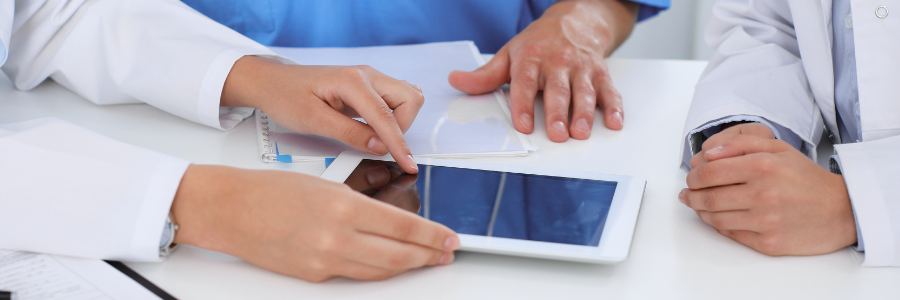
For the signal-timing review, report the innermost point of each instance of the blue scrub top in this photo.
(349, 23)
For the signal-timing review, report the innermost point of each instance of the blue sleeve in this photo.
(650, 8)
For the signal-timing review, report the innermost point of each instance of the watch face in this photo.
(167, 241)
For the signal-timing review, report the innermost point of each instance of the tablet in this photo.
(509, 210)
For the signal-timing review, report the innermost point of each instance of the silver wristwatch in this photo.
(170, 230)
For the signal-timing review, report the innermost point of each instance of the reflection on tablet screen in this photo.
(491, 203)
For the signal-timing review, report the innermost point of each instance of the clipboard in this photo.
(159, 292)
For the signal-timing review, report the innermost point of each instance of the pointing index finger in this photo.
(369, 104)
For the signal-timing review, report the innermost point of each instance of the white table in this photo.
(674, 254)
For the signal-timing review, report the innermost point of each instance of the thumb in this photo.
(743, 145)
(486, 78)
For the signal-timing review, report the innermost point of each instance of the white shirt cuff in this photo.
(866, 168)
(835, 164)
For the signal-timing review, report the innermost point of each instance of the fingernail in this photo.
(681, 196)
(451, 243)
(445, 259)
(559, 127)
(582, 125)
(714, 151)
(526, 121)
(377, 177)
(617, 117)
(376, 146)
(412, 163)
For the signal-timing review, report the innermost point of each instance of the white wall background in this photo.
(676, 33)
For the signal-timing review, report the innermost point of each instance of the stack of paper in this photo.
(48, 277)
(450, 123)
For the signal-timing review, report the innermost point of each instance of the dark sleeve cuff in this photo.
(650, 8)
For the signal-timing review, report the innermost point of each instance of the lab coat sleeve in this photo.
(871, 171)
(160, 52)
(67, 190)
(755, 71)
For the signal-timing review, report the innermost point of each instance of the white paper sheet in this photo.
(50, 277)
(450, 123)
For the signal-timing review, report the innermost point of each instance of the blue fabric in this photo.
(348, 23)
(650, 8)
(846, 92)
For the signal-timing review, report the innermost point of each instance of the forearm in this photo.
(246, 81)
(613, 19)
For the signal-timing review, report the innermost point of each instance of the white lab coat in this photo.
(757, 71)
(66, 190)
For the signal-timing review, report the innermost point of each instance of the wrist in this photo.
(245, 84)
(613, 20)
(848, 233)
(199, 196)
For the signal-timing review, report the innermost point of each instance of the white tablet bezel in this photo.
(615, 240)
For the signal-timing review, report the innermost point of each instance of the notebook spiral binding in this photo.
(269, 154)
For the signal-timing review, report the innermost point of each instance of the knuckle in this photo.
(705, 173)
(768, 194)
(562, 58)
(404, 229)
(384, 113)
(711, 201)
(355, 134)
(585, 96)
(318, 269)
(716, 221)
(343, 211)
(601, 76)
(354, 73)
(365, 68)
(398, 261)
(419, 99)
(533, 49)
(527, 78)
(771, 221)
(326, 243)
(558, 85)
(765, 163)
(771, 245)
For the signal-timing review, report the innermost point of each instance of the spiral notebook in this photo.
(450, 124)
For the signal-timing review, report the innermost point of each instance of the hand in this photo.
(729, 132)
(561, 53)
(303, 226)
(765, 194)
(321, 100)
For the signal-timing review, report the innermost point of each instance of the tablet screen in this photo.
(492, 203)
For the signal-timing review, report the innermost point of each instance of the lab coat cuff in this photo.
(873, 222)
(161, 189)
(209, 110)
